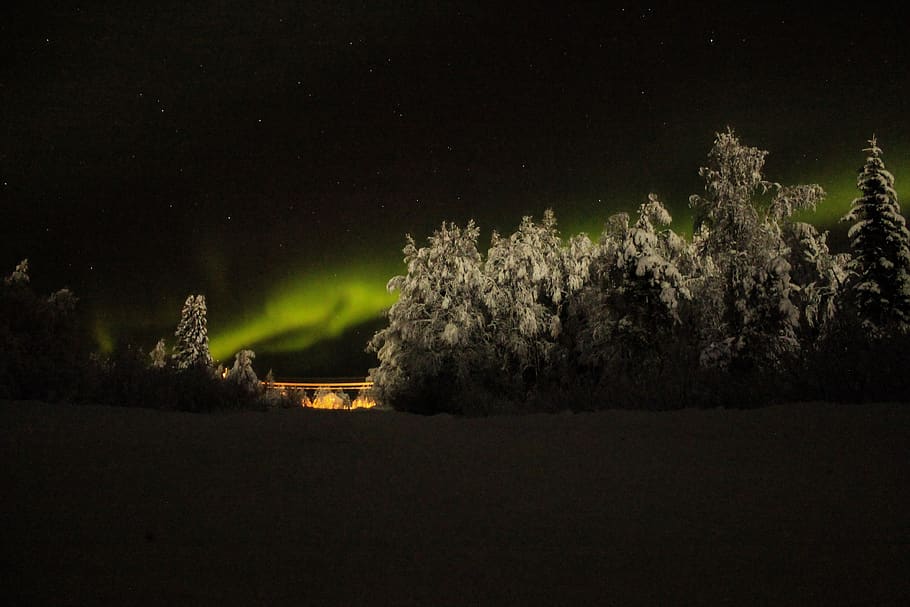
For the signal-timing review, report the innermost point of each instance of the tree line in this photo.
(45, 354)
(754, 308)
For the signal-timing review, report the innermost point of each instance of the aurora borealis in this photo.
(307, 311)
(273, 156)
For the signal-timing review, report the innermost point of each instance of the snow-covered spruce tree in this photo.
(755, 321)
(879, 281)
(242, 372)
(436, 344)
(624, 320)
(192, 347)
(530, 274)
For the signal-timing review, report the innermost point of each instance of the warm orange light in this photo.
(332, 395)
(363, 402)
(327, 400)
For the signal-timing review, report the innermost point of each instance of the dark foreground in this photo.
(795, 505)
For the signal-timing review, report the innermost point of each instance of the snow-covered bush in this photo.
(242, 372)
(63, 301)
(158, 356)
(270, 396)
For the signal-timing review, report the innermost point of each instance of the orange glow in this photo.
(363, 402)
(330, 396)
(327, 400)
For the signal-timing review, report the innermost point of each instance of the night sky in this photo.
(273, 155)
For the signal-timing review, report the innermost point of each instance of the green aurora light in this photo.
(307, 310)
(840, 187)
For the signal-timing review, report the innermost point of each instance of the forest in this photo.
(754, 308)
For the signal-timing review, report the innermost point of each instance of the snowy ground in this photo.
(796, 505)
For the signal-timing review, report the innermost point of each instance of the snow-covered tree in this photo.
(192, 347)
(43, 350)
(756, 318)
(438, 327)
(577, 260)
(63, 301)
(530, 274)
(638, 281)
(19, 275)
(242, 372)
(820, 275)
(646, 264)
(158, 356)
(880, 242)
(272, 396)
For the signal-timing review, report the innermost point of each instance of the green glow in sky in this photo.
(840, 185)
(101, 331)
(307, 310)
(838, 178)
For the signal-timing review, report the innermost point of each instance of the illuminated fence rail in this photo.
(315, 385)
(327, 394)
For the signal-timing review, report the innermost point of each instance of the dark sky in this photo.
(272, 155)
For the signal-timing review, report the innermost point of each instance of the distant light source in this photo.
(363, 402)
(333, 396)
(327, 400)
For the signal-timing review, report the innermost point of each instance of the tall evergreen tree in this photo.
(880, 269)
(192, 346)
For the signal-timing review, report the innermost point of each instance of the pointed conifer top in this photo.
(873, 147)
